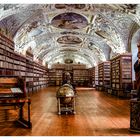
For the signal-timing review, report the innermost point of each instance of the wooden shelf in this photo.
(56, 76)
(104, 74)
(81, 77)
(121, 74)
(13, 64)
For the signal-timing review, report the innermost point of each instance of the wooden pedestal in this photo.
(66, 107)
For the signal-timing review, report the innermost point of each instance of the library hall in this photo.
(69, 69)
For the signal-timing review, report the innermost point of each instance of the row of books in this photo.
(14, 64)
(121, 70)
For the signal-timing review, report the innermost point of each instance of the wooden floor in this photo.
(97, 114)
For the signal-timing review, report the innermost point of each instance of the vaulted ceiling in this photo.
(85, 33)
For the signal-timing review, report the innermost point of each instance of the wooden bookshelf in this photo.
(59, 76)
(29, 70)
(104, 75)
(92, 76)
(55, 77)
(79, 74)
(52, 77)
(40, 76)
(6, 56)
(68, 67)
(81, 77)
(96, 76)
(13, 64)
(121, 74)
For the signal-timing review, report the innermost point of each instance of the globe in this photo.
(66, 93)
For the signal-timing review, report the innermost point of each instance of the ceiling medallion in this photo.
(69, 21)
(69, 40)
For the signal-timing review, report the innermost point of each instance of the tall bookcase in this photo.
(81, 77)
(7, 64)
(52, 77)
(79, 73)
(29, 70)
(104, 75)
(55, 77)
(121, 74)
(96, 76)
(13, 64)
(59, 76)
(92, 76)
(40, 77)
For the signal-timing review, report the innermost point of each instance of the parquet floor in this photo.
(97, 114)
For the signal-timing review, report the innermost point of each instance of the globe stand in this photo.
(66, 107)
(66, 99)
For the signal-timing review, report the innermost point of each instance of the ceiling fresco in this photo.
(85, 33)
(76, 6)
(69, 40)
(69, 21)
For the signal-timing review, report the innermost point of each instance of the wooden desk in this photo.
(11, 95)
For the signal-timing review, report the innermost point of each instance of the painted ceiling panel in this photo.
(69, 40)
(69, 20)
